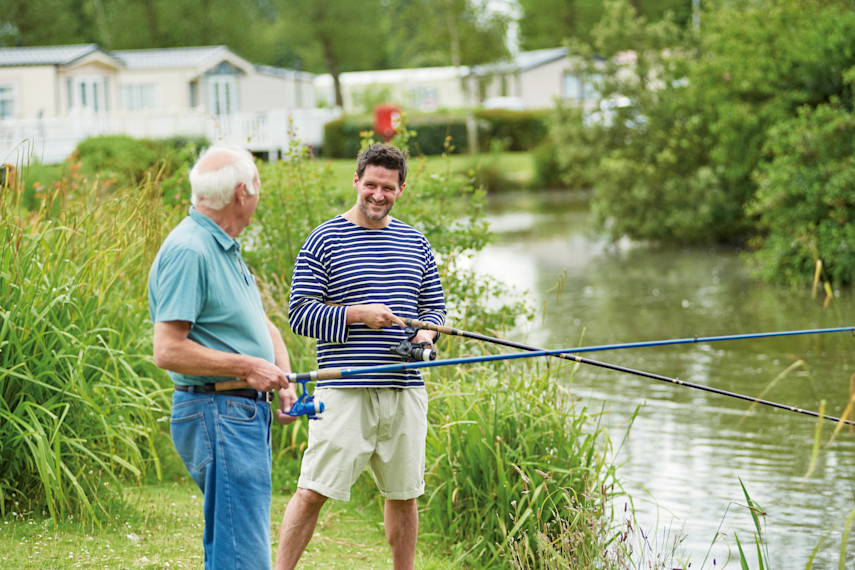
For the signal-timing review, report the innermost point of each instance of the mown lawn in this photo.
(160, 526)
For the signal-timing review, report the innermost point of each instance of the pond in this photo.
(688, 451)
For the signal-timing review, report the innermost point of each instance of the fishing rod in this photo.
(692, 340)
(566, 354)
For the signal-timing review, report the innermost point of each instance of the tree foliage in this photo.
(444, 32)
(678, 159)
(549, 23)
(805, 200)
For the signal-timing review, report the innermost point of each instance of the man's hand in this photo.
(265, 376)
(375, 316)
(287, 397)
(424, 335)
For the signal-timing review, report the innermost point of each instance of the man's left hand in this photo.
(287, 397)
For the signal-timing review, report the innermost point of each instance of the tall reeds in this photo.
(81, 398)
(516, 471)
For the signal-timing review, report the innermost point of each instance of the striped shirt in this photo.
(344, 264)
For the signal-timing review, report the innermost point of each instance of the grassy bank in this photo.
(160, 526)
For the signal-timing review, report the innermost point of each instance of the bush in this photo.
(512, 130)
(804, 202)
(119, 156)
(547, 173)
(343, 136)
(120, 160)
(516, 130)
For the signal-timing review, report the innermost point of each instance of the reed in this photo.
(516, 472)
(81, 399)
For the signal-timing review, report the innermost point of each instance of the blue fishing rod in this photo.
(692, 340)
(569, 354)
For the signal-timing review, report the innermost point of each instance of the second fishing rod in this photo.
(570, 354)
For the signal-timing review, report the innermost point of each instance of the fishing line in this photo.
(567, 354)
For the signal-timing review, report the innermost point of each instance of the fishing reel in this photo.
(306, 404)
(413, 351)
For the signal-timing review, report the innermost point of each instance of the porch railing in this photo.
(52, 140)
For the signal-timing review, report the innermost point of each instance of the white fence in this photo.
(51, 141)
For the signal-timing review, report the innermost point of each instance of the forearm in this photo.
(191, 358)
(312, 318)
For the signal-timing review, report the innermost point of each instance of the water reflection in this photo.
(688, 449)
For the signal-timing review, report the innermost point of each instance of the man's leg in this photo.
(298, 525)
(401, 519)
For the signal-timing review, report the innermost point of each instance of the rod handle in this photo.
(325, 374)
(431, 327)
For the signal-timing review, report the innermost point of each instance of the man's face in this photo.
(377, 191)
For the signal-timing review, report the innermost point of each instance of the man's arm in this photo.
(174, 351)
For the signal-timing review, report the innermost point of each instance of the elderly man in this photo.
(225, 357)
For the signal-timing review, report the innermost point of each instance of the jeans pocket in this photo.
(240, 410)
(190, 437)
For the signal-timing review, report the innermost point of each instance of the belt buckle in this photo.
(266, 396)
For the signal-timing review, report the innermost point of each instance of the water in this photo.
(688, 449)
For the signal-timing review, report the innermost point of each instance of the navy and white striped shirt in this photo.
(343, 264)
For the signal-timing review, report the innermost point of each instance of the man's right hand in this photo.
(265, 376)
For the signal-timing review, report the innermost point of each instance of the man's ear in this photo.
(401, 189)
(355, 180)
(241, 193)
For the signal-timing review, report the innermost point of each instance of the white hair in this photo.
(219, 170)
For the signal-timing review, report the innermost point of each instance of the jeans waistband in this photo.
(241, 392)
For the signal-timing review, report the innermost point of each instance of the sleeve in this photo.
(431, 307)
(178, 286)
(308, 313)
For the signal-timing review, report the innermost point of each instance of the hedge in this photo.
(512, 130)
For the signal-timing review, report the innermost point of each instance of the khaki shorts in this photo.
(382, 428)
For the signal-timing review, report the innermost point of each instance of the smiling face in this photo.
(376, 193)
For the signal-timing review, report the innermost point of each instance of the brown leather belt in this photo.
(227, 388)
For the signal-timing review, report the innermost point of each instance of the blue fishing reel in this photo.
(306, 404)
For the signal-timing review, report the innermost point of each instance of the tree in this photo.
(549, 23)
(334, 35)
(134, 24)
(426, 33)
(804, 202)
(46, 22)
(679, 161)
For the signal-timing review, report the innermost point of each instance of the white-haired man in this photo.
(224, 356)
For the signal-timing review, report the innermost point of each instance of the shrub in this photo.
(342, 136)
(516, 130)
(804, 201)
(119, 156)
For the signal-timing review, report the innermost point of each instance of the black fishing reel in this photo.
(413, 351)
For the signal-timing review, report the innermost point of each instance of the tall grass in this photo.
(517, 472)
(81, 398)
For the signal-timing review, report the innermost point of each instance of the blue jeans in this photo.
(224, 442)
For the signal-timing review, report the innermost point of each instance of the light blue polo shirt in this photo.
(199, 276)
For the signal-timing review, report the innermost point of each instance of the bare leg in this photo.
(401, 520)
(298, 525)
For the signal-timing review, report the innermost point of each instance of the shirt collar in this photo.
(225, 240)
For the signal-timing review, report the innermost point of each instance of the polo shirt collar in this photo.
(225, 240)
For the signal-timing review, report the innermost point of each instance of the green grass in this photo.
(160, 526)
